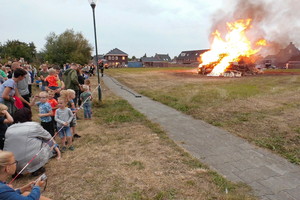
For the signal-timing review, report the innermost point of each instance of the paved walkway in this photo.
(270, 176)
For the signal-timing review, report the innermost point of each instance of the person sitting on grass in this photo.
(31, 191)
(54, 148)
(63, 117)
(25, 139)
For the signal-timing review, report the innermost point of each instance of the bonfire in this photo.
(233, 55)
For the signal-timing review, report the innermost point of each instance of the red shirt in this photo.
(52, 80)
(53, 103)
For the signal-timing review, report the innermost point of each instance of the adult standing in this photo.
(9, 89)
(25, 139)
(22, 86)
(70, 78)
(42, 75)
(81, 82)
(3, 75)
(101, 66)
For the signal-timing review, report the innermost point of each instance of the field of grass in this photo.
(122, 155)
(263, 109)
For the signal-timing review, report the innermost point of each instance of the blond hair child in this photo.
(8, 166)
(52, 79)
(86, 97)
(71, 95)
(5, 118)
(63, 117)
(88, 83)
(45, 111)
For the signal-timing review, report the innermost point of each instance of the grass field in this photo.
(263, 109)
(122, 155)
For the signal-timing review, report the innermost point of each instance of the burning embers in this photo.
(233, 55)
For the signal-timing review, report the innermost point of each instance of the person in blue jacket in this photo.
(31, 191)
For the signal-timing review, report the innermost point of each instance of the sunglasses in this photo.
(16, 162)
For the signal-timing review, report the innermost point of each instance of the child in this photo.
(5, 118)
(71, 95)
(63, 117)
(88, 83)
(86, 97)
(55, 149)
(52, 79)
(45, 111)
(53, 103)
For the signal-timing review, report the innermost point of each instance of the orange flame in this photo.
(230, 49)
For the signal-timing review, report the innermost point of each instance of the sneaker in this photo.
(77, 136)
(63, 149)
(71, 148)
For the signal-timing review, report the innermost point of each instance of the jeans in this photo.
(65, 131)
(87, 110)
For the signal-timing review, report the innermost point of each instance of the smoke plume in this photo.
(276, 21)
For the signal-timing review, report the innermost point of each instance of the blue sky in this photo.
(134, 26)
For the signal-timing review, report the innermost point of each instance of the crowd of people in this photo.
(61, 92)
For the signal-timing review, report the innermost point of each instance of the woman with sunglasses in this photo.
(31, 191)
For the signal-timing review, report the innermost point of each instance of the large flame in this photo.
(231, 48)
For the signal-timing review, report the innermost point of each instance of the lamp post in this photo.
(93, 5)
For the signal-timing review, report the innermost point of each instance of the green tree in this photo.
(14, 49)
(67, 47)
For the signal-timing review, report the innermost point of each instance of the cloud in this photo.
(135, 26)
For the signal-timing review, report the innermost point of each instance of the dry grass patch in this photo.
(262, 109)
(131, 159)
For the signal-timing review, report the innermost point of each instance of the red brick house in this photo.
(284, 56)
(116, 58)
(189, 57)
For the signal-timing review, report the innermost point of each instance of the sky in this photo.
(133, 26)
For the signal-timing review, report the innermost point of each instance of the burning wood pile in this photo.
(231, 56)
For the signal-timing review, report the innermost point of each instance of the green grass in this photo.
(114, 111)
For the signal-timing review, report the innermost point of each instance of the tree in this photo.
(14, 49)
(68, 47)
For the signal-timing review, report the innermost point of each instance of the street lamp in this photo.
(93, 5)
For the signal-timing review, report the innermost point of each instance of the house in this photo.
(116, 58)
(283, 57)
(294, 62)
(159, 60)
(100, 57)
(189, 57)
(154, 62)
(163, 57)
